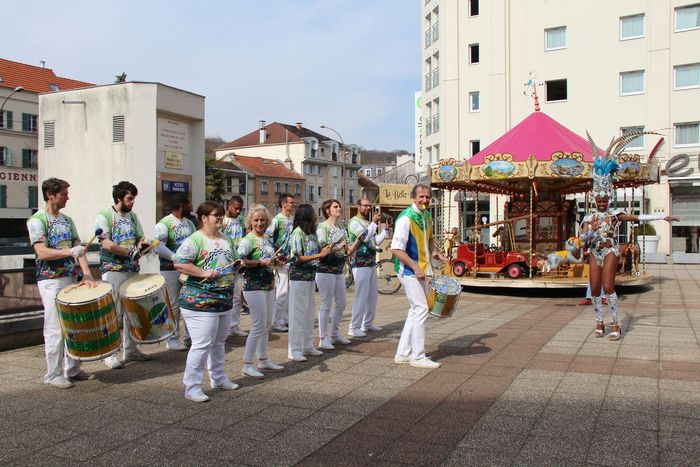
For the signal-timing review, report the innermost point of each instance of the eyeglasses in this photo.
(365, 205)
(218, 216)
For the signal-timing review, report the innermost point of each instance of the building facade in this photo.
(629, 66)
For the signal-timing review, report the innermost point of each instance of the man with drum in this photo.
(412, 243)
(232, 226)
(364, 269)
(171, 231)
(57, 247)
(280, 231)
(121, 240)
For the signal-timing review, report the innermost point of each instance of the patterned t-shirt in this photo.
(330, 235)
(233, 227)
(256, 248)
(207, 253)
(57, 233)
(303, 245)
(366, 253)
(280, 230)
(172, 232)
(126, 232)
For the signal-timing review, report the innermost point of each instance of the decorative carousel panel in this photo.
(630, 167)
(498, 166)
(567, 165)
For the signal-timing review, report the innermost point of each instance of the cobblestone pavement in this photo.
(523, 382)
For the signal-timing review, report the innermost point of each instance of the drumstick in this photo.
(153, 244)
(98, 232)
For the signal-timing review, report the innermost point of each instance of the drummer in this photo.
(233, 227)
(121, 240)
(207, 258)
(172, 230)
(57, 246)
(412, 242)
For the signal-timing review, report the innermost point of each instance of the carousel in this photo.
(539, 167)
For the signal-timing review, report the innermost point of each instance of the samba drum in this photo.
(443, 296)
(89, 322)
(146, 302)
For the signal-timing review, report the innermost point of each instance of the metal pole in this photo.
(14, 91)
(531, 233)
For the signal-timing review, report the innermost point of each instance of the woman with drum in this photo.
(302, 272)
(329, 278)
(207, 258)
(258, 256)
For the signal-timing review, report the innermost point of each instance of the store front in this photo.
(683, 171)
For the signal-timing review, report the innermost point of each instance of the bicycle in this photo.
(387, 279)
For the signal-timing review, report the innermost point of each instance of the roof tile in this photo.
(34, 78)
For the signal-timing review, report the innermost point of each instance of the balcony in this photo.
(428, 38)
(436, 123)
(428, 81)
(428, 127)
(436, 32)
(436, 77)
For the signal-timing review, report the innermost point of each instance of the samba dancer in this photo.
(279, 230)
(258, 255)
(600, 232)
(171, 231)
(57, 246)
(330, 279)
(302, 271)
(207, 258)
(233, 227)
(121, 242)
(364, 269)
(413, 241)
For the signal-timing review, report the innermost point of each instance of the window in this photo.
(436, 116)
(32, 197)
(49, 134)
(308, 169)
(368, 172)
(631, 27)
(436, 71)
(29, 158)
(474, 101)
(687, 17)
(429, 151)
(429, 120)
(379, 171)
(436, 26)
(428, 31)
(631, 82)
(297, 189)
(278, 188)
(473, 53)
(6, 119)
(118, 129)
(4, 156)
(310, 193)
(686, 76)
(351, 192)
(54, 87)
(3, 196)
(428, 75)
(636, 143)
(320, 192)
(687, 134)
(263, 187)
(436, 152)
(556, 90)
(286, 187)
(555, 38)
(334, 172)
(29, 122)
(474, 146)
(473, 7)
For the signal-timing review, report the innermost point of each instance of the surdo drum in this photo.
(146, 303)
(443, 296)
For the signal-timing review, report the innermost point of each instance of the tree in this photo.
(215, 178)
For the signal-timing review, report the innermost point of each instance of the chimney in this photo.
(43, 63)
(299, 126)
(263, 132)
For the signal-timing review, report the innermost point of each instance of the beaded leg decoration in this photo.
(612, 305)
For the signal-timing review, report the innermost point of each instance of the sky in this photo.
(352, 65)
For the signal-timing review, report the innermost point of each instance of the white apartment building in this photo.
(330, 171)
(606, 67)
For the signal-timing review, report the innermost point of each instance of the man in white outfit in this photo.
(232, 226)
(412, 242)
(280, 231)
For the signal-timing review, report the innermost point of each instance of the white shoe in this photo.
(268, 364)
(280, 328)
(250, 372)
(372, 328)
(113, 362)
(313, 352)
(225, 385)
(197, 397)
(356, 333)
(402, 359)
(61, 383)
(175, 345)
(136, 355)
(237, 332)
(424, 362)
(325, 344)
(297, 358)
(340, 340)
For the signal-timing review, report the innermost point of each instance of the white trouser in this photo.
(261, 304)
(172, 282)
(208, 331)
(330, 287)
(237, 302)
(54, 347)
(301, 316)
(282, 298)
(365, 305)
(117, 278)
(412, 341)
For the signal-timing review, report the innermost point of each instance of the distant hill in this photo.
(379, 157)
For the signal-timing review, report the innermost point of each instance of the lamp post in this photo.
(14, 91)
(344, 175)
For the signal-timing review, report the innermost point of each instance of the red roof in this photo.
(365, 182)
(277, 133)
(34, 78)
(259, 167)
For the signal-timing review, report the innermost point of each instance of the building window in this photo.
(555, 38)
(436, 71)
(33, 197)
(631, 27)
(473, 53)
(429, 120)
(308, 169)
(428, 75)
(687, 17)
(49, 134)
(320, 192)
(118, 129)
(636, 143)
(473, 7)
(30, 122)
(334, 172)
(286, 187)
(297, 189)
(631, 82)
(687, 134)
(474, 101)
(556, 90)
(263, 187)
(368, 172)
(436, 26)
(474, 146)
(428, 31)
(436, 116)
(310, 196)
(3, 196)
(6, 119)
(29, 158)
(351, 193)
(379, 171)
(436, 152)
(4, 156)
(686, 76)
(278, 188)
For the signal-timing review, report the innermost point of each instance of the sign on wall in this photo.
(394, 194)
(175, 187)
(681, 165)
(173, 136)
(173, 160)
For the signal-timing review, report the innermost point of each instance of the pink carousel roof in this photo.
(540, 135)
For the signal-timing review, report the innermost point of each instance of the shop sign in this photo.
(680, 165)
(395, 194)
(175, 187)
(173, 160)
(8, 175)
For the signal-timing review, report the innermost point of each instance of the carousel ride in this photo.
(540, 166)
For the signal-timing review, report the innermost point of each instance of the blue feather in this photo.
(605, 167)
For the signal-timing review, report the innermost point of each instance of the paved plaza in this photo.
(523, 382)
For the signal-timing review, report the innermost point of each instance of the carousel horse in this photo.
(630, 249)
(567, 255)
